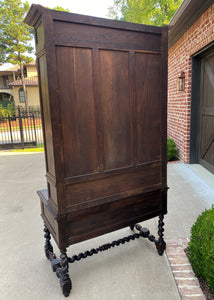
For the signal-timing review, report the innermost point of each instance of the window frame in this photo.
(21, 96)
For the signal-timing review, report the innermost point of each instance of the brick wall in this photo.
(200, 34)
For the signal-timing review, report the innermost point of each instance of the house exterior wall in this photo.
(10, 78)
(31, 71)
(6, 91)
(199, 35)
(32, 93)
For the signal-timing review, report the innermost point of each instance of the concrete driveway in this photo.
(131, 271)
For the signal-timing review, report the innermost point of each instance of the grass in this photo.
(39, 148)
(28, 150)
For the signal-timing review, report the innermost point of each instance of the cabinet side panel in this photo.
(116, 108)
(147, 74)
(40, 39)
(75, 77)
(46, 115)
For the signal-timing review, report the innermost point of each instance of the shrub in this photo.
(8, 110)
(3, 111)
(11, 109)
(34, 109)
(201, 247)
(172, 151)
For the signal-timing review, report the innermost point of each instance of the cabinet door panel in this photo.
(75, 77)
(116, 108)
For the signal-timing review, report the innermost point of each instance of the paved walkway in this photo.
(131, 271)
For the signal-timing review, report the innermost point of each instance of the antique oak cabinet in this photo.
(103, 90)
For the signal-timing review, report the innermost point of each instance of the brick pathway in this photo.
(186, 281)
(174, 162)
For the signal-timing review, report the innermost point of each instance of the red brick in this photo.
(184, 275)
(175, 252)
(190, 291)
(179, 261)
(197, 36)
(186, 268)
(202, 297)
(188, 282)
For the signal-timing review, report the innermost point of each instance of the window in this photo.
(21, 96)
(5, 97)
(5, 81)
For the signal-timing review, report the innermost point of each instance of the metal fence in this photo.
(20, 131)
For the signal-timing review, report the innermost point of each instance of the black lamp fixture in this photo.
(181, 81)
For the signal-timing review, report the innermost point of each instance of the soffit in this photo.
(186, 15)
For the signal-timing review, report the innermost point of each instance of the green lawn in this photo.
(39, 148)
(28, 150)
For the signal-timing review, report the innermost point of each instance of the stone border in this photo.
(188, 285)
(175, 162)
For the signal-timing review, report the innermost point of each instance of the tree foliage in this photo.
(15, 36)
(59, 8)
(150, 12)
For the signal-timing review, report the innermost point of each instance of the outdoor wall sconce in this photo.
(181, 81)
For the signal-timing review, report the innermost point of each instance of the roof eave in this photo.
(186, 15)
(25, 84)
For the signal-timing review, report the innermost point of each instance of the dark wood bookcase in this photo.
(103, 92)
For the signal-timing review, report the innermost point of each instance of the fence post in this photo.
(21, 128)
(34, 127)
(11, 135)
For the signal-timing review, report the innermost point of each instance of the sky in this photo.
(97, 8)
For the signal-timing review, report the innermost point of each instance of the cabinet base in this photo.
(60, 265)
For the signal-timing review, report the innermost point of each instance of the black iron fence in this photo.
(20, 131)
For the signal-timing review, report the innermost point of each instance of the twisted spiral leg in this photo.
(65, 281)
(131, 227)
(48, 247)
(160, 244)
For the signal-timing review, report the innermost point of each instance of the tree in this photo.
(15, 37)
(59, 8)
(150, 12)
